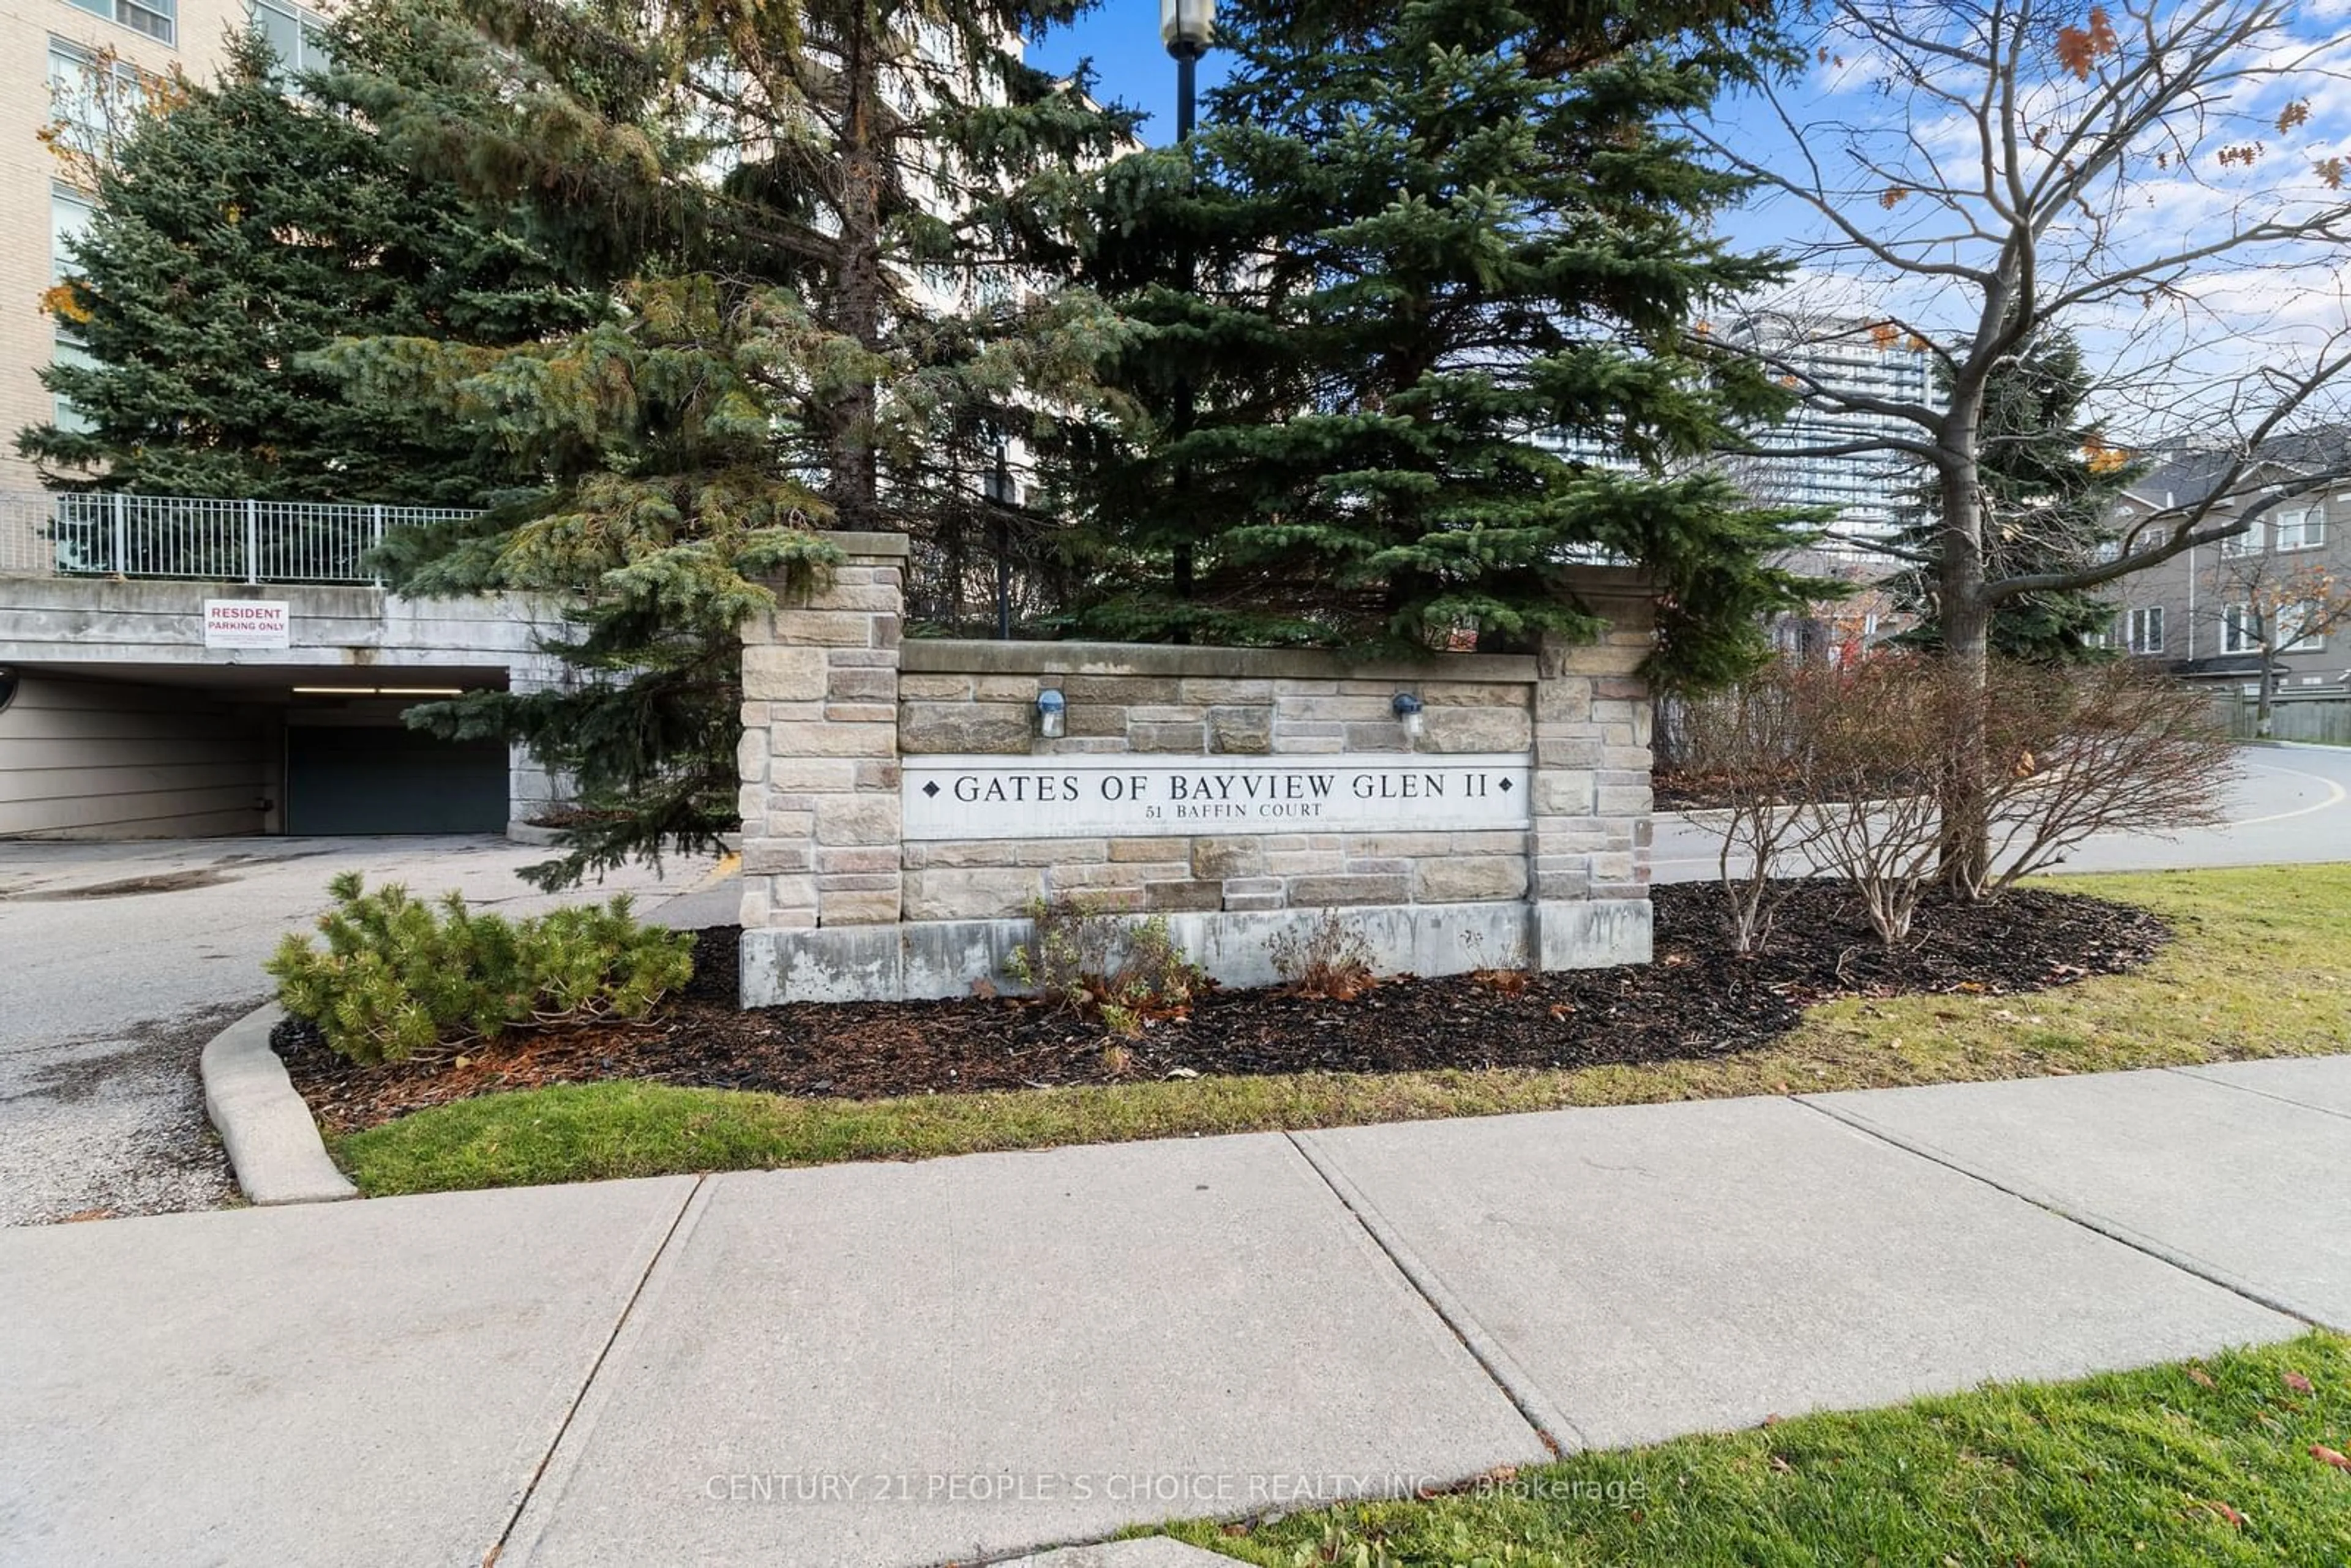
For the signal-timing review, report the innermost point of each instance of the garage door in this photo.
(387, 780)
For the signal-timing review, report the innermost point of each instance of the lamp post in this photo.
(999, 487)
(1187, 27)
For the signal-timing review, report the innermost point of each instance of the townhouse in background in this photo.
(2200, 612)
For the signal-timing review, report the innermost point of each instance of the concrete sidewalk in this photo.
(975, 1358)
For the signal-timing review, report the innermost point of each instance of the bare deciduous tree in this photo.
(2272, 604)
(2145, 176)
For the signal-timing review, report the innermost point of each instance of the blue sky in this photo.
(1123, 36)
(2246, 311)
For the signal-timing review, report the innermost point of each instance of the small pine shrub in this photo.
(1100, 967)
(396, 977)
(1329, 961)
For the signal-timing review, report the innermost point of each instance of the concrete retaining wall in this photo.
(845, 897)
(102, 621)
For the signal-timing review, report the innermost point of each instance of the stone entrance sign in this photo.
(984, 797)
(905, 811)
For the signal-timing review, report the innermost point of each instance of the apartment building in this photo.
(78, 66)
(136, 699)
(2285, 582)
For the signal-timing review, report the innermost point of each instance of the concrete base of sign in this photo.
(932, 958)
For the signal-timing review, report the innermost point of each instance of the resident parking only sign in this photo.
(248, 624)
(1130, 796)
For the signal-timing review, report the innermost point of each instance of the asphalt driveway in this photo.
(124, 959)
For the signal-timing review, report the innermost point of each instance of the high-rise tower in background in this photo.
(1831, 362)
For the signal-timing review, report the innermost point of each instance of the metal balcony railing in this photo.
(199, 538)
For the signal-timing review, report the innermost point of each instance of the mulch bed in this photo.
(1699, 1000)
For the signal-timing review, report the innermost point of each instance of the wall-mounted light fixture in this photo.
(1050, 707)
(1406, 707)
(9, 683)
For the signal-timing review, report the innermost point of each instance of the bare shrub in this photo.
(1329, 960)
(1507, 972)
(2110, 747)
(1122, 973)
(1752, 743)
(2065, 752)
(1871, 734)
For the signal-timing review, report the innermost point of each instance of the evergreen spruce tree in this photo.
(831, 216)
(2050, 485)
(236, 235)
(1417, 309)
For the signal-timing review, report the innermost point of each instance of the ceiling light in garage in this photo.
(379, 691)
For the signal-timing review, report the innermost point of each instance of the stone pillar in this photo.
(1590, 846)
(819, 753)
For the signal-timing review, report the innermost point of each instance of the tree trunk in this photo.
(853, 484)
(1963, 792)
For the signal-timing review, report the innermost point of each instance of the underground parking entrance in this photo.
(201, 751)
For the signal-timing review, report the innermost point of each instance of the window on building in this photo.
(90, 103)
(2304, 529)
(295, 34)
(70, 215)
(2293, 636)
(156, 18)
(2143, 630)
(62, 412)
(2241, 630)
(2249, 542)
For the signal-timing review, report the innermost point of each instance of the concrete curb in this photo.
(273, 1144)
(1146, 1551)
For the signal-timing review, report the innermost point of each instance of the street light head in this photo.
(1187, 26)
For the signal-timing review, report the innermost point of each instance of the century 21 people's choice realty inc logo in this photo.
(1127, 795)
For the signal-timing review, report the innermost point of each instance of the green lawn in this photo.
(2263, 967)
(2208, 1463)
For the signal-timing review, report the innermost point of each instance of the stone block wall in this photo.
(819, 749)
(1170, 701)
(843, 898)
